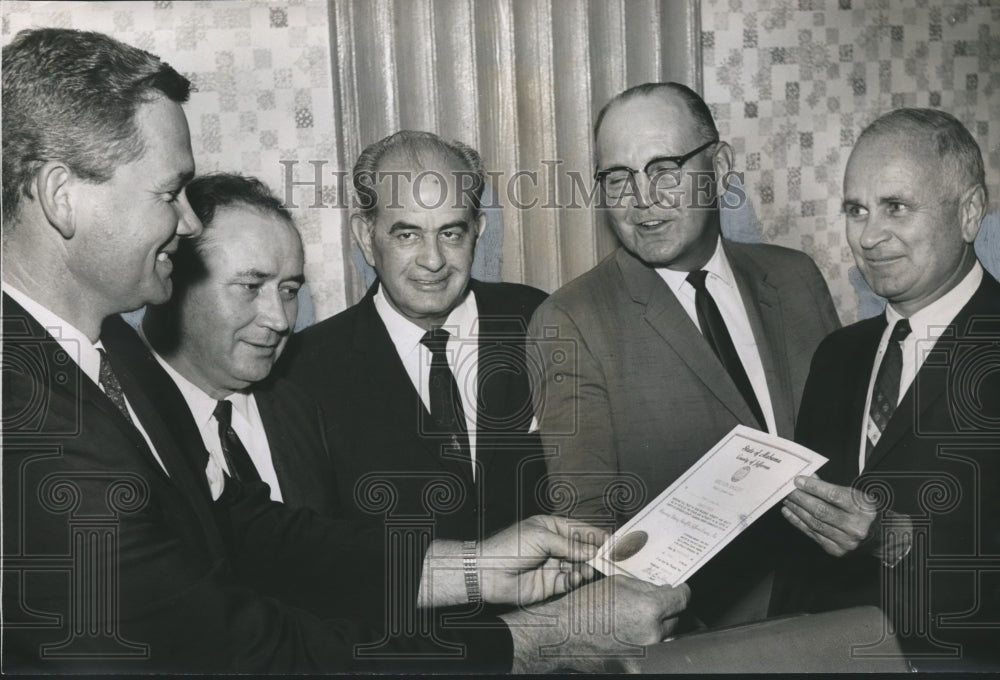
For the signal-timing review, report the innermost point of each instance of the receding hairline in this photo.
(916, 149)
(688, 97)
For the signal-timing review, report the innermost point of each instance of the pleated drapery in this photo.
(521, 81)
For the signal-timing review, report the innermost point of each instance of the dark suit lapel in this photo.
(88, 393)
(857, 375)
(763, 307)
(397, 396)
(141, 376)
(279, 441)
(930, 384)
(300, 461)
(495, 393)
(667, 317)
(167, 420)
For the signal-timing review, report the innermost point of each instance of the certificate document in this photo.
(708, 506)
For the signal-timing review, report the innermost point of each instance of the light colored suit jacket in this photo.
(632, 394)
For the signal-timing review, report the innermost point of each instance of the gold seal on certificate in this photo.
(740, 479)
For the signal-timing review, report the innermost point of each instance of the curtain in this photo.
(519, 80)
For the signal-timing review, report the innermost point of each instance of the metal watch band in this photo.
(470, 563)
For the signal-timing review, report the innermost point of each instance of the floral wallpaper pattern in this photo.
(792, 83)
(262, 71)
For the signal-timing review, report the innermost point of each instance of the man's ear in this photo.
(362, 230)
(53, 186)
(722, 164)
(480, 226)
(971, 211)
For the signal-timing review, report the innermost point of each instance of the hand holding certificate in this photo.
(743, 476)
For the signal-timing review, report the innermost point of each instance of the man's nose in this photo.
(273, 312)
(875, 231)
(188, 223)
(430, 256)
(640, 195)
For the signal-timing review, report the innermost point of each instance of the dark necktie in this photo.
(885, 393)
(447, 415)
(713, 327)
(237, 458)
(109, 383)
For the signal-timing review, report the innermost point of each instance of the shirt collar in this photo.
(930, 322)
(201, 405)
(717, 267)
(406, 335)
(71, 339)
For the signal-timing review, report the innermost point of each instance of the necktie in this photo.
(109, 383)
(237, 458)
(447, 415)
(885, 393)
(713, 327)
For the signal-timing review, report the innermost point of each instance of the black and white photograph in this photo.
(494, 337)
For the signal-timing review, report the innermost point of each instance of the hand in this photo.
(840, 519)
(537, 558)
(604, 620)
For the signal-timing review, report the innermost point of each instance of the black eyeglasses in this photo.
(663, 172)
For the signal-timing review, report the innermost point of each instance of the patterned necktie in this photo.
(447, 415)
(237, 458)
(713, 327)
(109, 383)
(885, 393)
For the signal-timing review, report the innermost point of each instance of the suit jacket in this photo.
(938, 461)
(112, 564)
(386, 467)
(293, 425)
(633, 395)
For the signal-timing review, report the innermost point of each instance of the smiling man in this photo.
(218, 337)
(680, 334)
(425, 377)
(117, 557)
(907, 404)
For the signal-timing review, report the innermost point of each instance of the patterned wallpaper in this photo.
(262, 70)
(792, 83)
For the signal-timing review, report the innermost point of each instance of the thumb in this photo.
(580, 541)
(674, 599)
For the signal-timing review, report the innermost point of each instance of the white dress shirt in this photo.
(926, 326)
(721, 284)
(79, 348)
(462, 353)
(246, 423)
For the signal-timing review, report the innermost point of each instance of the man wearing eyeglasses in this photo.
(679, 336)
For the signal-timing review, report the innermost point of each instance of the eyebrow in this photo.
(178, 180)
(895, 199)
(259, 275)
(404, 226)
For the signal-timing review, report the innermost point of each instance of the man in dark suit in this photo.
(116, 557)
(675, 338)
(373, 372)
(217, 338)
(906, 405)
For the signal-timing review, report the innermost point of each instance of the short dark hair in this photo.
(960, 155)
(208, 193)
(415, 144)
(72, 96)
(699, 110)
